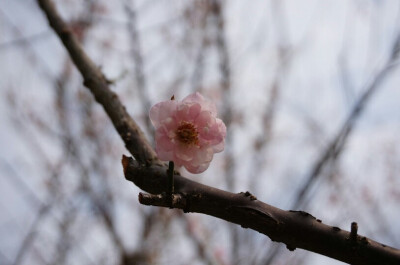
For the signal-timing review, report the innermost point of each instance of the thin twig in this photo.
(23, 40)
(137, 58)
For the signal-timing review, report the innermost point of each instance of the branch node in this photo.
(248, 194)
(290, 247)
(364, 241)
(303, 213)
(163, 200)
(125, 163)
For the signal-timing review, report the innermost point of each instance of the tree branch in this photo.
(94, 79)
(296, 229)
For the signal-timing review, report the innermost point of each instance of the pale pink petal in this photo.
(185, 153)
(164, 145)
(197, 169)
(194, 111)
(188, 112)
(221, 127)
(164, 155)
(218, 131)
(169, 124)
(206, 105)
(219, 147)
(163, 141)
(211, 130)
(207, 126)
(203, 155)
(194, 97)
(161, 111)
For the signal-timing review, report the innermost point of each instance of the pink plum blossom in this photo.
(188, 132)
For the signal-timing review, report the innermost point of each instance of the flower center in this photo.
(187, 133)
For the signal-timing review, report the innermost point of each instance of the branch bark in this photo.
(296, 229)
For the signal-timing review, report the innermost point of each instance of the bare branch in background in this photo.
(285, 55)
(336, 146)
(28, 240)
(21, 41)
(197, 16)
(204, 251)
(44, 209)
(4, 259)
(137, 59)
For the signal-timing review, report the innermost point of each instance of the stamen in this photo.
(187, 133)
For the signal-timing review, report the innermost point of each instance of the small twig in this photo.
(137, 58)
(170, 182)
(353, 232)
(21, 41)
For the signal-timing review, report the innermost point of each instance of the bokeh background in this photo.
(309, 91)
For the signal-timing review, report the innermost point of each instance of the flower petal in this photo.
(185, 153)
(161, 111)
(206, 105)
(188, 112)
(197, 169)
(163, 141)
(219, 147)
(164, 155)
(205, 122)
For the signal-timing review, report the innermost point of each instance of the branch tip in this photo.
(353, 231)
(125, 163)
(140, 198)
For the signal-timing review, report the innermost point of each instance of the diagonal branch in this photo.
(296, 229)
(94, 79)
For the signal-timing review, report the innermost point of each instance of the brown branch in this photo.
(94, 79)
(296, 229)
